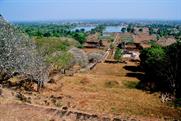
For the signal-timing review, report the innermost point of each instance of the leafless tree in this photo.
(18, 54)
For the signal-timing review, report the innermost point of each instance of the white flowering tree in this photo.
(18, 54)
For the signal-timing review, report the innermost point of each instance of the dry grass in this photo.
(104, 90)
(87, 92)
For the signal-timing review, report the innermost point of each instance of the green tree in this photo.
(129, 28)
(123, 30)
(162, 66)
(151, 31)
(118, 54)
(80, 37)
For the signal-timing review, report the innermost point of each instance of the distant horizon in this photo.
(94, 19)
(60, 10)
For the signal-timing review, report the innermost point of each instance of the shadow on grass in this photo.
(144, 84)
(132, 68)
(138, 85)
(137, 75)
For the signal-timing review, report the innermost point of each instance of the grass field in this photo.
(108, 89)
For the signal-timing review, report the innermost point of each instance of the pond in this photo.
(111, 29)
(86, 28)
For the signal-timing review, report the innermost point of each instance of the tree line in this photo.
(53, 30)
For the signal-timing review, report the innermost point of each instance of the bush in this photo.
(61, 60)
(95, 56)
(118, 54)
(80, 57)
(80, 37)
(52, 44)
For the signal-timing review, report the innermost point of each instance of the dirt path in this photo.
(108, 54)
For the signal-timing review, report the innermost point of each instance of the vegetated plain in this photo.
(110, 88)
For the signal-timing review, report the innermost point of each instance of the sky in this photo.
(47, 10)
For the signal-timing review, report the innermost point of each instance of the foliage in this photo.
(152, 59)
(52, 44)
(151, 31)
(111, 46)
(130, 28)
(55, 50)
(123, 30)
(99, 28)
(53, 30)
(152, 43)
(118, 54)
(161, 30)
(61, 60)
(163, 67)
(45, 30)
(80, 37)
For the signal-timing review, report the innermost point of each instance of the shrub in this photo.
(118, 54)
(95, 56)
(80, 37)
(80, 57)
(61, 60)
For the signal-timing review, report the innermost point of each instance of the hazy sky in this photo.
(32, 10)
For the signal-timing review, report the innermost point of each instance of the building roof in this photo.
(166, 41)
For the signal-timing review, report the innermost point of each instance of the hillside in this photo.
(50, 78)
